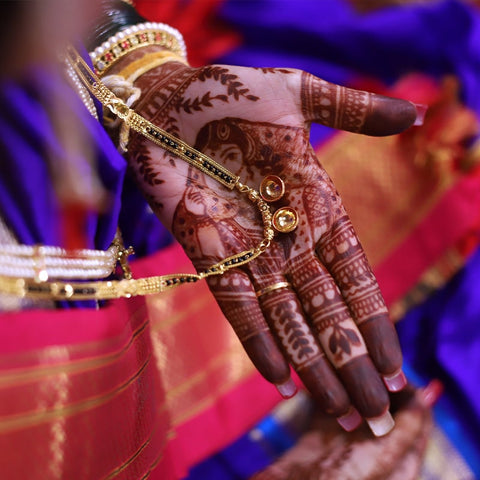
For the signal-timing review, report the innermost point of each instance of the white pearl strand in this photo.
(44, 262)
(137, 29)
(81, 90)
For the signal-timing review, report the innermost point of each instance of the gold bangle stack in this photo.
(134, 37)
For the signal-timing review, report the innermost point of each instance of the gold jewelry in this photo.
(285, 220)
(131, 73)
(272, 188)
(155, 134)
(148, 62)
(134, 37)
(272, 288)
(103, 290)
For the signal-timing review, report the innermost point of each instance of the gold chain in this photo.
(128, 287)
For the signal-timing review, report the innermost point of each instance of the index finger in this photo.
(355, 110)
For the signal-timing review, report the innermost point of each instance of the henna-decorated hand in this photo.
(331, 323)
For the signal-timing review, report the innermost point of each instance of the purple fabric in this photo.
(441, 339)
(30, 149)
(330, 39)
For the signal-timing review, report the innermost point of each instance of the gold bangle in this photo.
(272, 288)
(148, 62)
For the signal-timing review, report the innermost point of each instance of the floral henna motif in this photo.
(284, 312)
(285, 71)
(169, 94)
(342, 338)
(147, 168)
(235, 87)
(325, 307)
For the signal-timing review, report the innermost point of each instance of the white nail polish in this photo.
(287, 389)
(381, 425)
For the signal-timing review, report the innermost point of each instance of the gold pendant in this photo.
(272, 188)
(285, 219)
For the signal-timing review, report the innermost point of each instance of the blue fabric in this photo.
(238, 461)
(252, 452)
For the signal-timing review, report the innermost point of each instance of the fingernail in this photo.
(421, 111)
(381, 425)
(395, 382)
(431, 393)
(287, 389)
(350, 421)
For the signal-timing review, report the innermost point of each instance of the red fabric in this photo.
(121, 392)
(205, 36)
(457, 209)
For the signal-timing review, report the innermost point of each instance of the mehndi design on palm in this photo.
(330, 322)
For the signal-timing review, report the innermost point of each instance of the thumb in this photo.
(355, 110)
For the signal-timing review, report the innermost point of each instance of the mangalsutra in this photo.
(128, 287)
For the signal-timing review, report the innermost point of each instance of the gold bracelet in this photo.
(134, 37)
(148, 62)
(104, 290)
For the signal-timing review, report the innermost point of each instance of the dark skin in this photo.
(331, 324)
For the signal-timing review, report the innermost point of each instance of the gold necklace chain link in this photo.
(128, 287)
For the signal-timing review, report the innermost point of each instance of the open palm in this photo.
(329, 320)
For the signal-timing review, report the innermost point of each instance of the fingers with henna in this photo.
(285, 317)
(355, 110)
(342, 342)
(343, 255)
(236, 297)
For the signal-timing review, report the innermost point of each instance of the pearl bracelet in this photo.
(137, 36)
(43, 262)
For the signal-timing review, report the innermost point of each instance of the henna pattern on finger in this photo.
(238, 302)
(286, 318)
(344, 255)
(234, 294)
(334, 105)
(346, 261)
(324, 305)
